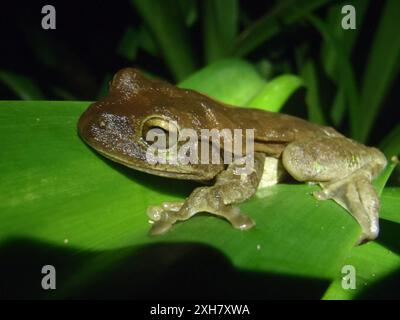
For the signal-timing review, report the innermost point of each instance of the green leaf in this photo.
(382, 64)
(347, 38)
(330, 55)
(286, 13)
(309, 74)
(129, 44)
(220, 24)
(133, 39)
(21, 85)
(346, 74)
(265, 68)
(391, 144)
(232, 81)
(189, 11)
(391, 204)
(62, 203)
(56, 190)
(373, 263)
(339, 106)
(168, 29)
(276, 92)
(62, 94)
(376, 260)
(381, 181)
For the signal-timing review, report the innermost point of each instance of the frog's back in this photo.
(272, 130)
(274, 127)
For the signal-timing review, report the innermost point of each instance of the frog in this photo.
(285, 146)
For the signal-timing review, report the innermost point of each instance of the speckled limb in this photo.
(344, 169)
(229, 188)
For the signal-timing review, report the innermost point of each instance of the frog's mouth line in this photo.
(163, 172)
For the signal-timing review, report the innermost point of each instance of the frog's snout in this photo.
(88, 120)
(83, 124)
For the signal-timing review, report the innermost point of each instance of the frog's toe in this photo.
(366, 237)
(370, 204)
(163, 217)
(237, 219)
(162, 220)
(160, 227)
(172, 206)
(321, 195)
(243, 222)
(155, 212)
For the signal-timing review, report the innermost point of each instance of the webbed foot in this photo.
(357, 195)
(163, 217)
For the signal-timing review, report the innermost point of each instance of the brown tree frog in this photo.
(116, 127)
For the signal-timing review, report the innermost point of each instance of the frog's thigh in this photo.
(344, 169)
(229, 188)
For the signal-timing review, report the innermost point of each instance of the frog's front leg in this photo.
(229, 188)
(344, 169)
(155, 212)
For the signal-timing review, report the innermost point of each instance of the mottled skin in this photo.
(308, 152)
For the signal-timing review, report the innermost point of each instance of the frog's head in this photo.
(117, 125)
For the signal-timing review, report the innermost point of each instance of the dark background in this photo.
(81, 54)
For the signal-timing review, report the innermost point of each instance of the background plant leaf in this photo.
(382, 64)
(276, 92)
(309, 74)
(346, 73)
(21, 85)
(284, 14)
(391, 144)
(220, 25)
(233, 81)
(330, 56)
(168, 29)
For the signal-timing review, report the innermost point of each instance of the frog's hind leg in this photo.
(344, 169)
(229, 188)
(357, 195)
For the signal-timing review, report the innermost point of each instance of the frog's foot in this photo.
(356, 195)
(201, 200)
(212, 202)
(163, 217)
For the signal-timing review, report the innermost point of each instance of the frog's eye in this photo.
(163, 131)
